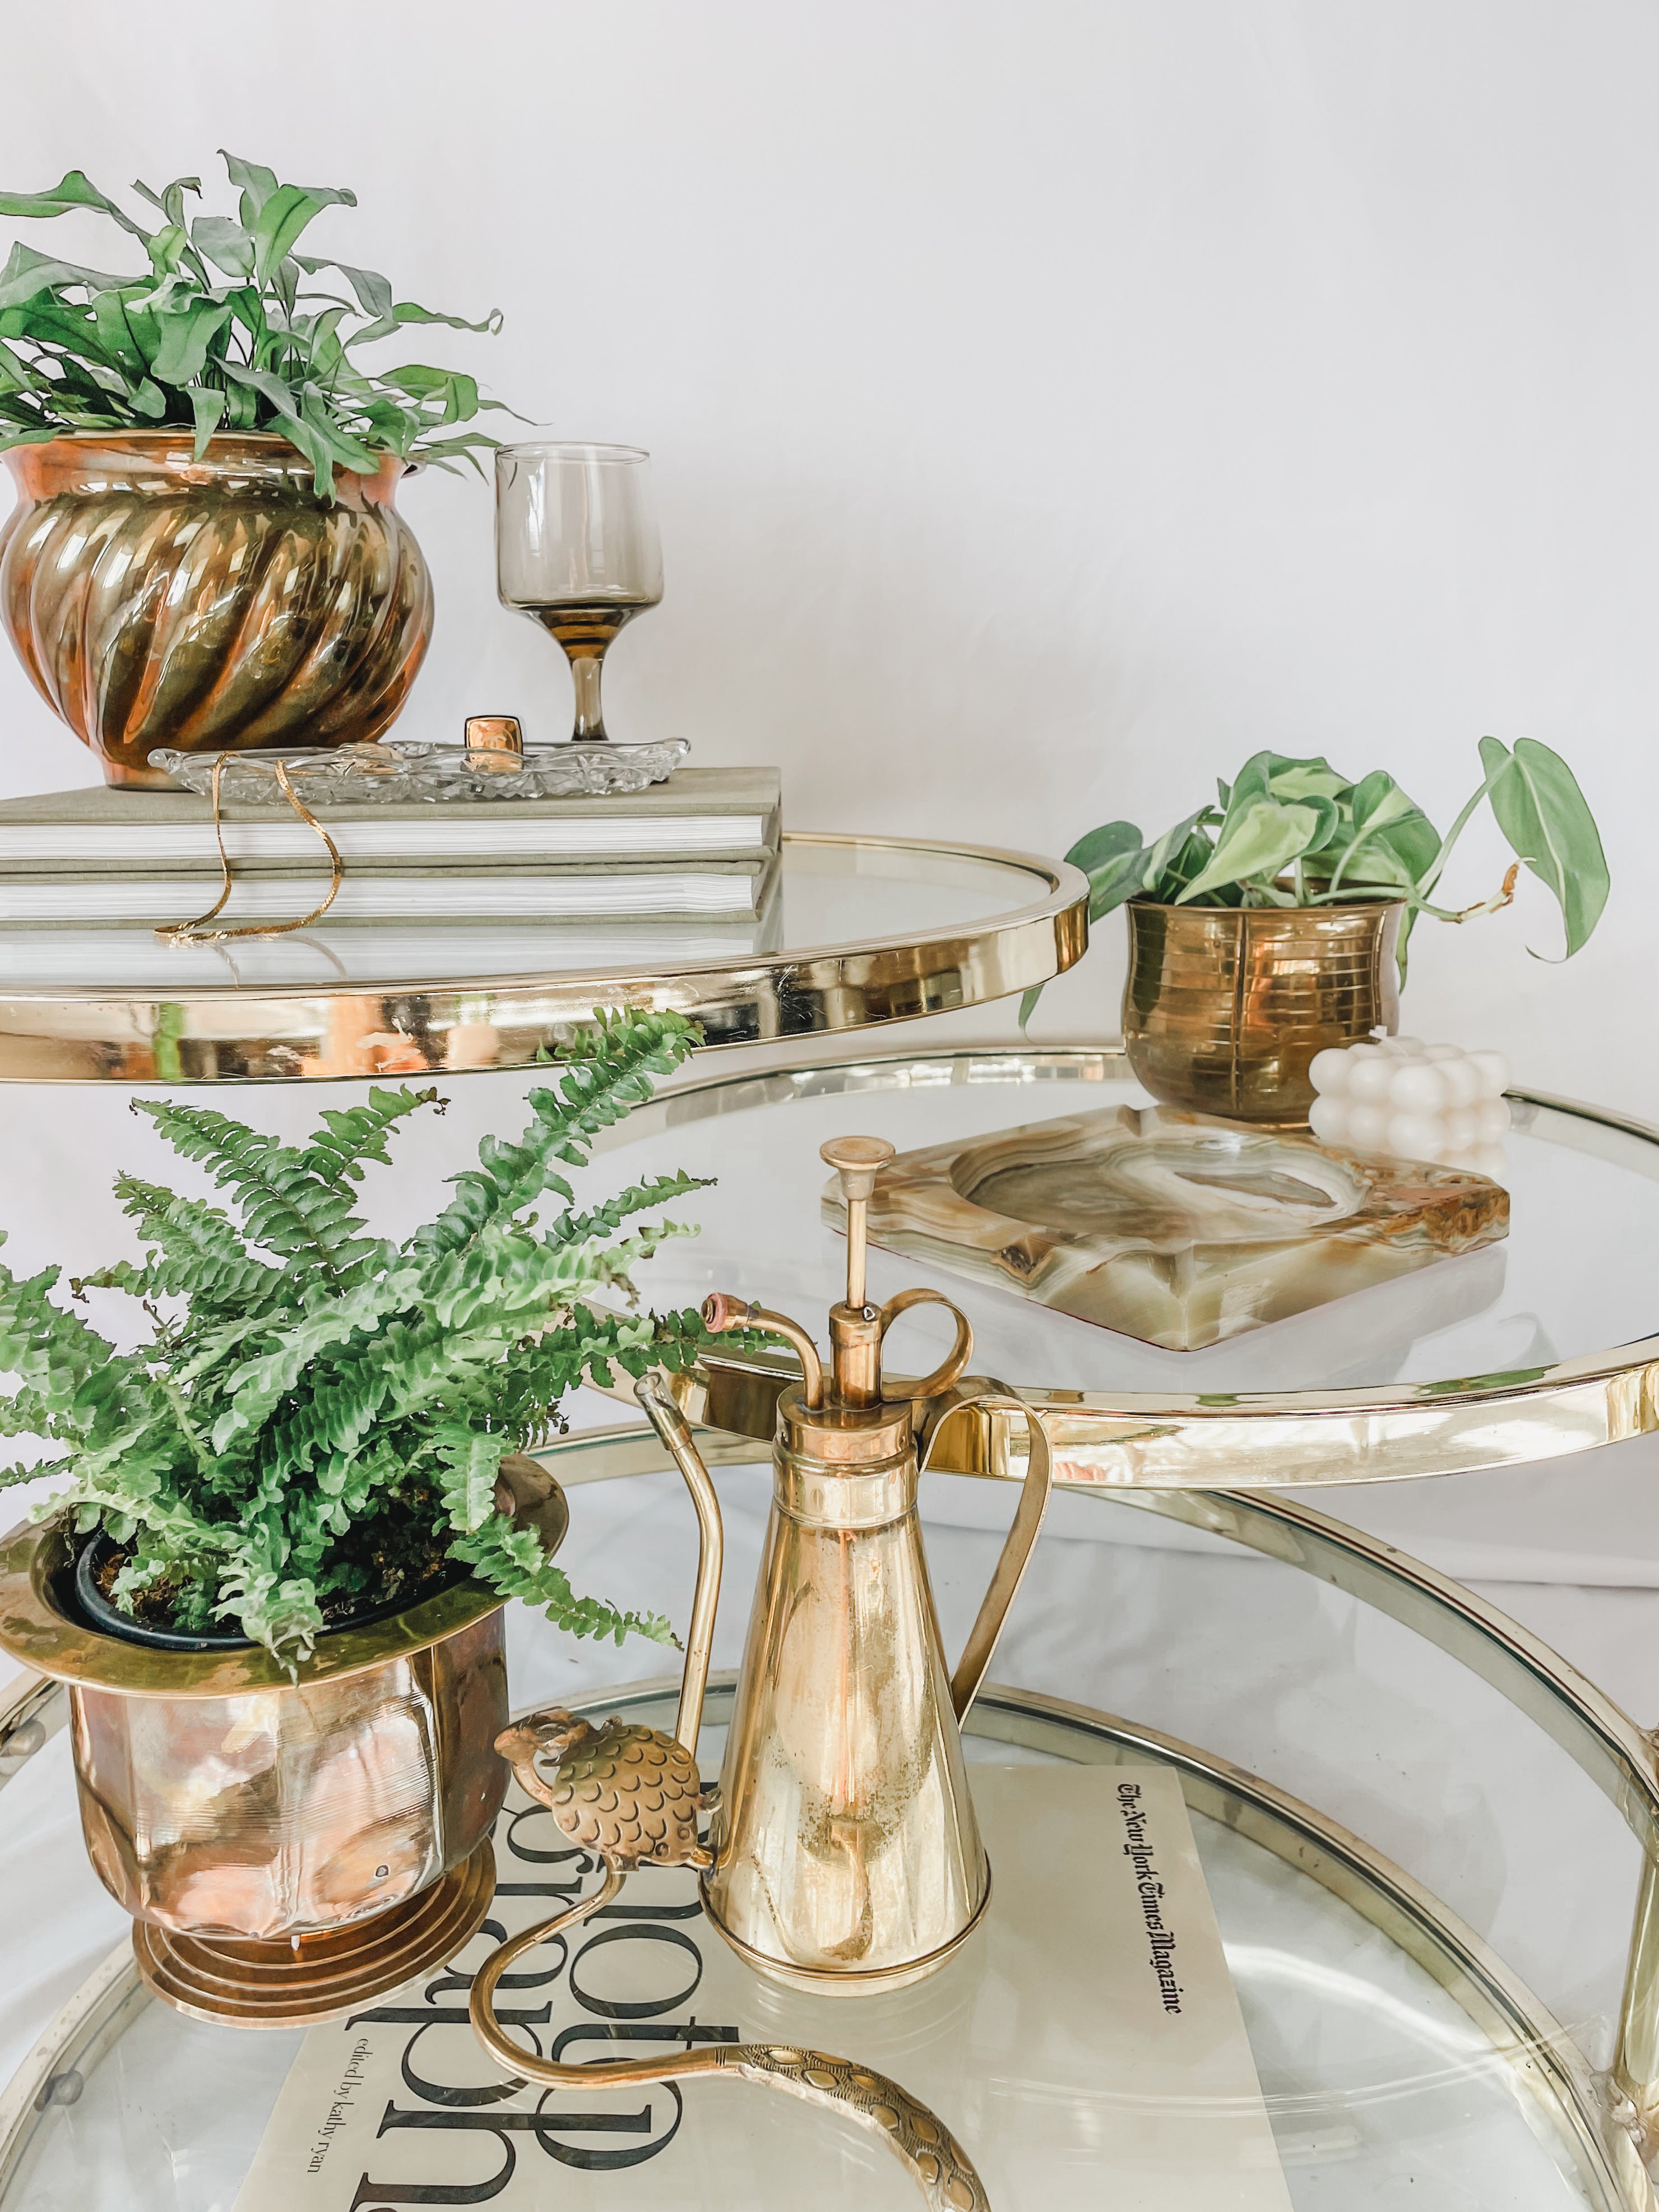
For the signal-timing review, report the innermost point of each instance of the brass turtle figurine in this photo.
(628, 1795)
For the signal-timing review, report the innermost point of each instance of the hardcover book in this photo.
(621, 890)
(702, 813)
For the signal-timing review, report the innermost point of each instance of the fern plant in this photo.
(313, 1404)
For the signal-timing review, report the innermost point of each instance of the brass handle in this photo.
(926, 2148)
(670, 1424)
(956, 1362)
(976, 1660)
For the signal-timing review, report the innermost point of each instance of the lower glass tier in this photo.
(1398, 2062)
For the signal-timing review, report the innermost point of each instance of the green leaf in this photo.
(225, 244)
(1383, 837)
(185, 336)
(284, 217)
(1547, 821)
(208, 408)
(170, 198)
(27, 275)
(255, 184)
(371, 290)
(1177, 857)
(1099, 846)
(1258, 839)
(76, 190)
(406, 311)
(1288, 780)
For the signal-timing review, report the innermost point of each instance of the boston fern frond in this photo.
(318, 1414)
(224, 329)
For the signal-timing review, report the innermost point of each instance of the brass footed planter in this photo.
(288, 1850)
(156, 600)
(1224, 1007)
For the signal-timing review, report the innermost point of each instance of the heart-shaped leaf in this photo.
(1258, 839)
(1544, 815)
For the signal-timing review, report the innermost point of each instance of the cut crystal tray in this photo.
(397, 769)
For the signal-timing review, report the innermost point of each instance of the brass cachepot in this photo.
(1224, 1007)
(208, 606)
(287, 1848)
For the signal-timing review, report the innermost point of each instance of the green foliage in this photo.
(312, 1397)
(1351, 840)
(221, 331)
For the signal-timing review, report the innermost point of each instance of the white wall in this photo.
(1051, 403)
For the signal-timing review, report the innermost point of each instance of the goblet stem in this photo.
(586, 662)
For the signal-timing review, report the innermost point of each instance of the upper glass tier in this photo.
(859, 931)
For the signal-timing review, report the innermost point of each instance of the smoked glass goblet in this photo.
(576, 550)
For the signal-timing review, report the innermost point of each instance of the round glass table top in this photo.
(1393, 2051)
(1531, 1345)
(856, 931)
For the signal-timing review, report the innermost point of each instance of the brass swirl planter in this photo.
(209, 605)
(1224, 1007)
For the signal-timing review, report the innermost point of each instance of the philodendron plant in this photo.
(222, 332)
(1293, 833)
(317, 1417)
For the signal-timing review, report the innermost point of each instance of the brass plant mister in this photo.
(843, 1855)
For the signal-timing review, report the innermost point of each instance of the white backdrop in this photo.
(1050, 404)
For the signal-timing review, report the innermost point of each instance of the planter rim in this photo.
(35, 1631)
(1277, 912)
(222, 445)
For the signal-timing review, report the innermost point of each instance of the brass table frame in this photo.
(307, 1032)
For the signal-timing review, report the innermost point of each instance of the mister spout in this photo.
(855, 1326)
(855, 1160)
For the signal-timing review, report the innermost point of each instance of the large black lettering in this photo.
(528, 1852)
(606, 2161)
(375, 2196)
(648, 1932)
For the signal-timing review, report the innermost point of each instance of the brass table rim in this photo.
(87, 1032)
(36, 1634)
(1213, 1440)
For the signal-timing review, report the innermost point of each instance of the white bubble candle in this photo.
(1413, 1101)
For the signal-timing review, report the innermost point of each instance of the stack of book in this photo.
(680, 860)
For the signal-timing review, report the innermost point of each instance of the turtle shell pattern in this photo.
(630, 1796)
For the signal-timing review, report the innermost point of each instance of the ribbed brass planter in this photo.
(288, 1850)
(156, 600)
(1224, 1007)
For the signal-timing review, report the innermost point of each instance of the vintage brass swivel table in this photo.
(1404, 2060)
